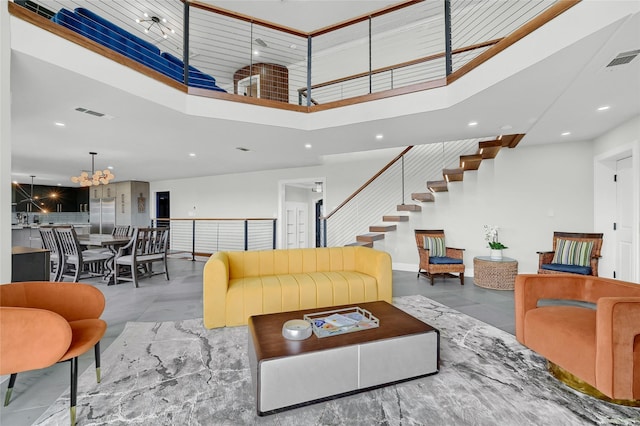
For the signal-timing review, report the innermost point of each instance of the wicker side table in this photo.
(495, 274)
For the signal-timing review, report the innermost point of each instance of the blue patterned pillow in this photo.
(435, 245)
(570, 252)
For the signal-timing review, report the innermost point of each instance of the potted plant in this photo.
(491, 236)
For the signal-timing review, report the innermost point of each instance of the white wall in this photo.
(5, 145)
(528, 192)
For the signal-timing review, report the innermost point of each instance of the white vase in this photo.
(496, 254)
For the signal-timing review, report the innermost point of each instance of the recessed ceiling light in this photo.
(604, 108)
(473, 123)
(293, 46)
(192, 154)
(59, 124)
(565, 133)
(255, 52)
(59, 184)
(379, 136)
(110, 167)
(308, 146)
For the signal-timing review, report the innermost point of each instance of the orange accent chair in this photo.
(599, 346)
(436, 258)
(43, 323)
(565, 258)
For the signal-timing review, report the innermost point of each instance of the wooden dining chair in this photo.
(148, 246)
(51, 242)
(76, 260)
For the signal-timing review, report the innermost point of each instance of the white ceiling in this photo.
(148, 141)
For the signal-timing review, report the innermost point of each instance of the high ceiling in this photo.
(147, 140)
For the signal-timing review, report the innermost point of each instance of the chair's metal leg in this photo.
(74, 389)
(12, 381)
(96, 349)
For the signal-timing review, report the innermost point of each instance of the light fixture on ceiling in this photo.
(260, 42)
(97, 177)
(603, 108)
(317, 187)
(473, 123)
(32, 200)
(159, 24)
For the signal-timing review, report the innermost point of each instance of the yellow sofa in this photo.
(237, 285)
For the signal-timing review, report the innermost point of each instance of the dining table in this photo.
(110, 242)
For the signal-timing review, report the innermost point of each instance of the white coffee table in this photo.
(288, 373)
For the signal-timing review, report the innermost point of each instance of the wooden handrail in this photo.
(367, 183)
(303, 90)
(552, 12)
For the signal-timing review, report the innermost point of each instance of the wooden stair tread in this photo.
(425, 197)
(489, 149)
(370, 237)
(511, 141)
(470, 162)
(453, 175)
(401, 218)
(361, 243)
(408, 208)
(437, 186)
(382, 228)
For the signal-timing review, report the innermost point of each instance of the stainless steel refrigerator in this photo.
(102, 215)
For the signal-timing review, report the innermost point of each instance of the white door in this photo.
(624, 220)
(296, 215)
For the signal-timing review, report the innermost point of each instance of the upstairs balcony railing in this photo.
(208, 51)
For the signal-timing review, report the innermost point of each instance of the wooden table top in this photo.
(266, 330)
(102, 240)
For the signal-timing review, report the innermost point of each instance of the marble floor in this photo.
(181, 298)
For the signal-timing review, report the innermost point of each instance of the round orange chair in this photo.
(42, 323)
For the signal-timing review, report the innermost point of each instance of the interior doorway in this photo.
(163, 208)
(624, 220)
(299, 212)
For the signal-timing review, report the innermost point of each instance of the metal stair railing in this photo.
(382, 194)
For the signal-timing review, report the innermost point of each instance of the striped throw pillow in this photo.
(570, 252)
(435, 245)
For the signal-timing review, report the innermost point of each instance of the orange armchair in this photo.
(596, 351)
(43, 323)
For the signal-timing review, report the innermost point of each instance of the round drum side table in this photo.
(496, 274)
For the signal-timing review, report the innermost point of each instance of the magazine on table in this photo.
(341, 321)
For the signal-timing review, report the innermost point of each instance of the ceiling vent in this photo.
(624, 58)
(94, 113)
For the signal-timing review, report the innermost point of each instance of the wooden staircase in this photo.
(486, 150)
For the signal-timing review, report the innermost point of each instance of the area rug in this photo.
(179, 373)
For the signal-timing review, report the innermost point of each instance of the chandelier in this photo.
(97, 177)
(153, 21)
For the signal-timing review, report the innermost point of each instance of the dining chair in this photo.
(76, 260)
(121, 231)
(43, 323)
(148, 245)
(51, 242)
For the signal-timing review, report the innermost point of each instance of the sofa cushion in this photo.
(291, 292)
(570, 252)
(572, 269)
(566, 336)
(435, 245)
(444, 260)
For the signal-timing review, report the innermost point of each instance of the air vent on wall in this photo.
(94, 113)
(624, 58)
